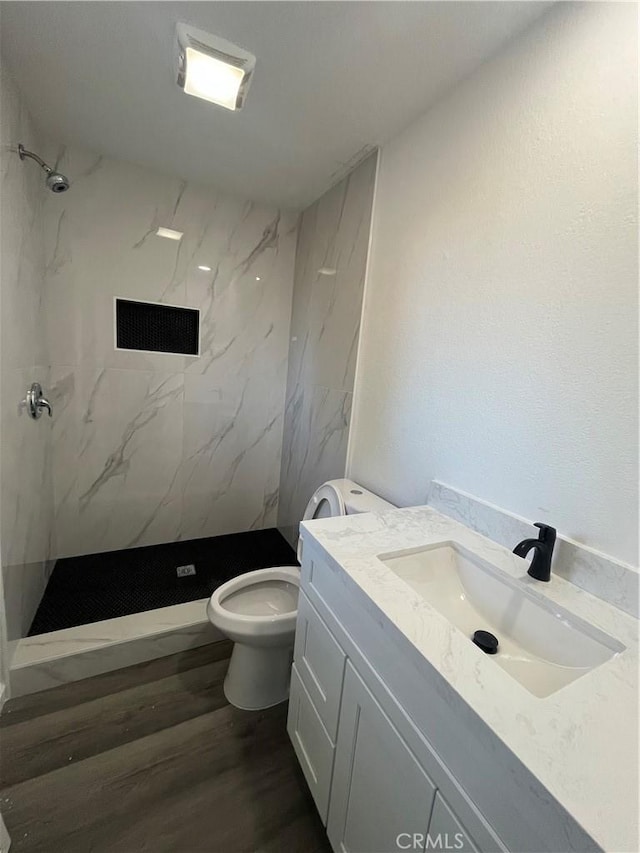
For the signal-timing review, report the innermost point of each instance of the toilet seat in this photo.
(327, 501)
(262, 603)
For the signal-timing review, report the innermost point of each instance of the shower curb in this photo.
(60, 657)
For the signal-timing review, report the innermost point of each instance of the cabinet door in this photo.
(311, 743)
(320, 663)
(380, 796)
(446, 832)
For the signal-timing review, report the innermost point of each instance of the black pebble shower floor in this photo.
(118, 583)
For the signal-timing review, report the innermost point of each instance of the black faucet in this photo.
(540, 567)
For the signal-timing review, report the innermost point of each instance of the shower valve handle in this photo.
(35, 402)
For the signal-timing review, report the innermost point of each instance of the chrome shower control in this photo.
(34, 402)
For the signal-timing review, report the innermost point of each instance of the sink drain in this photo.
(486, 641)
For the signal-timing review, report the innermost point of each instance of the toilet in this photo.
(258, 610)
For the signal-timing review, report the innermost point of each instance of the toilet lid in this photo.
(325, 503)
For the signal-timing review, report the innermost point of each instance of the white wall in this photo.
(499, 350)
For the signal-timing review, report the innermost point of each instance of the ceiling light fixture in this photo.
(212, 68)
(169, 233)
(327, 271)
(204, 269)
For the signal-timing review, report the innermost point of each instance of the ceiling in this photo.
(332, 79)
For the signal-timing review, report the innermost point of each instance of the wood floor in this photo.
(152, 758)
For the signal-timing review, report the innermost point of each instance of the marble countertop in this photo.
(581, 742)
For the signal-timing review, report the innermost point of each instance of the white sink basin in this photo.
(541, 645)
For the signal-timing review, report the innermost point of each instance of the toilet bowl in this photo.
(258, 610)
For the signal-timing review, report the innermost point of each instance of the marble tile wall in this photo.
(325, 328)
(154, 447)
(26, 489)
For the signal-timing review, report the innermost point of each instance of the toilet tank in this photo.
(358, 499)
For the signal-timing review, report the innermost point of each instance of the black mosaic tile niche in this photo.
(157, 328)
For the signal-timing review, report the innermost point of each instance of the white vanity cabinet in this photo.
(410, 739)
(373, 775)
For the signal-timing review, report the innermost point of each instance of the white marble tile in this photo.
(229, 479)
(21, 236)
(118, 451)
(325, 327)
(100, 243)
(26, 525)
(329, 332)
(591, 570)
(315, 448)
(132, 466)
(24, 585)
(26, 478)
(245, 301)
(72, 654)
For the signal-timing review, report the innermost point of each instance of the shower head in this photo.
(56, 182)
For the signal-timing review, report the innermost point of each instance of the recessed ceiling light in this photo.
(204, 269)
(169, 233)
(257, 278)
(327, 271)
(212, 68)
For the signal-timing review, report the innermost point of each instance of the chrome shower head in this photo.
(56, 182)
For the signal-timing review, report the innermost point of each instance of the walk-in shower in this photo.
(159, 476)
(56, 182)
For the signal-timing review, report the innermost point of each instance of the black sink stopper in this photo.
(486, 641)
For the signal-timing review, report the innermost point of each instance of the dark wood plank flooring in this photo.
(152, 758)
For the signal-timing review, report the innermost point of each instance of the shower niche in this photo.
(156, 327)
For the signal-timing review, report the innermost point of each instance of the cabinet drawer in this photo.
(320, 663)
(311, 743)
(445, 830)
